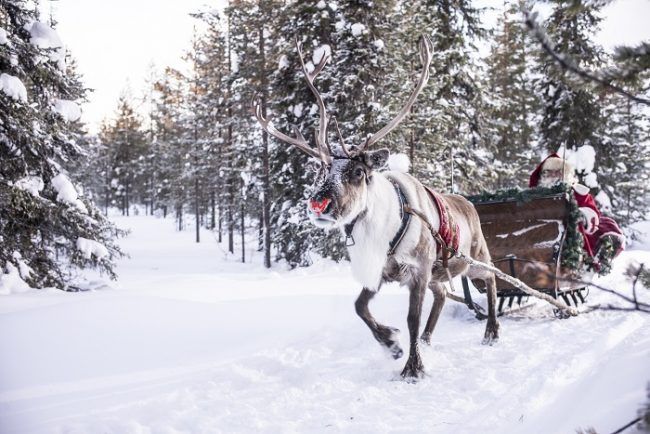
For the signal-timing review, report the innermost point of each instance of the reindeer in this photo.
(374, 210)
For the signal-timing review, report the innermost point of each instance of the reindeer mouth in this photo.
(323, 221)
(320, 213)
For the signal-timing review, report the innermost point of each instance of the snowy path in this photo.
(190, 342)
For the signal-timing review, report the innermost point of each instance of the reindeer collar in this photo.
(349, 239)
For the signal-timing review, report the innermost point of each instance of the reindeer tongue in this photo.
(319, 207)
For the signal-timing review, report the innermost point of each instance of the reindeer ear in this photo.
(376, 159)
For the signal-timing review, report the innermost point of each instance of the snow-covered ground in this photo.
(190, 341)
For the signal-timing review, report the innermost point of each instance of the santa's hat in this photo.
(552, 162)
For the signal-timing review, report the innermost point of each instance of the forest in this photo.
(197, 154)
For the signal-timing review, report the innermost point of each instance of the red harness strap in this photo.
(448, 228)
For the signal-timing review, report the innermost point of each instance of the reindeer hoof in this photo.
(491, 334)
(488, 340)
(387, 336)
(426, 338)
(396, 352)
(413, 369)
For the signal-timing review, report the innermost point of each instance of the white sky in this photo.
(116, 41)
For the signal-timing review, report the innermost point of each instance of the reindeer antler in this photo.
(346, 151)
(299, 141)
(426, 48)
(323, 151)
(321, 136)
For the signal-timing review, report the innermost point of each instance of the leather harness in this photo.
(446, 237)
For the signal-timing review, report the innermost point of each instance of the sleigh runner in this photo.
(533, 236)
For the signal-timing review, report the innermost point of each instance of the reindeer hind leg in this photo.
(492, 325)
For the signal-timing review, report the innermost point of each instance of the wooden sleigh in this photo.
(526, 240)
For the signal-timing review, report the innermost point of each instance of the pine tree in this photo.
(165, 111)
(252, 35)
(581, 112)
(171, 142)
(239, 145)
(211, 69)
(514, 104)
(47, 230)
(571, 112)
(448, 116)
(126, 143)
(624, 159)
(361, 62)
(293, 104)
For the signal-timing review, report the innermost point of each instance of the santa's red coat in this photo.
(606, 225)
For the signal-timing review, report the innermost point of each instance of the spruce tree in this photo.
(581, 112)
(514, 103)
(448, 116)
(47, 229)
(210, 70)
(624, 159)
(362, 59)
(571, 111)
(312, 23)
(165, 115)
(126, 143)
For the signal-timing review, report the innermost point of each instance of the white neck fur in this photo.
(373, 232)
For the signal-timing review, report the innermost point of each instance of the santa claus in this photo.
(595, 227)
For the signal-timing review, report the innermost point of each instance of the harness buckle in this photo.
(349, 240)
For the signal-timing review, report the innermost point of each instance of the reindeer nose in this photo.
(318, 207)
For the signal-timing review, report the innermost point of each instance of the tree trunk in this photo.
(231, 230)
(126, 198)
(243, 234)
(220, 222)
(106, 202)
(265, 148)
(212, 211)
(196, 209)
(229, 150)
(260, 233)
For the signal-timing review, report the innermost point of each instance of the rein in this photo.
(447, 252)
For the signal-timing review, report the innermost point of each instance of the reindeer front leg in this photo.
(384, 335)
(414, 367)
(439, 296)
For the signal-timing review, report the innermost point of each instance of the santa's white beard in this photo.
(548, 181)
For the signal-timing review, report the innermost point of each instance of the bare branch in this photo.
(568, 64)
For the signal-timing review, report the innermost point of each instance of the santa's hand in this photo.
(589, 219)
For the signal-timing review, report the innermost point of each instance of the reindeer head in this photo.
(340, 189)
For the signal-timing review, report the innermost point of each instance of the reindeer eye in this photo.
(358, 172)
